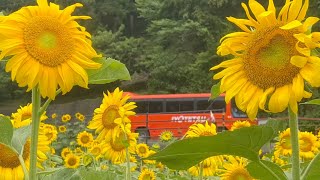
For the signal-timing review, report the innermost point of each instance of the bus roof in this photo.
(168, 96)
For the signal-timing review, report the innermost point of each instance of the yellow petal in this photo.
(303, 10)
(298, 87)
(299, 61)
(293, 104)
(227, 63)
(283, 14)
(271, 6)
(256, 8)
(239, 23)
(291, 25)
(228, 81)
(228, 71)
(308, 23)
(230, 93)
(304, 51)
(307, 94)
(294, 10)
(252, 108)
(244, 6)
(264, 97)
(279, 100)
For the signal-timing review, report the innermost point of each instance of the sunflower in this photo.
(72, 161)
(196, 130)
(62, 129)
(147, 174)
(114, 106)
(142, 150)
(84, 139)
(239, 124)
(23, 116)
(10, 166)
(115, 150)
(47, 47)
(166, 136)
(309, 146)
(283, 146)
(81, 118)
(210, 166)
(272, 58)
(48, 130)
(96, 150)
(54, 115)
(77, 115)
(65, 151)
(65, 118)
(235, 168)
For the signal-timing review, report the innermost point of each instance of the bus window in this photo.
(142, 107)
(237, 113)
(155, 106)
(186, 106)
(172, 106)
(217, 105)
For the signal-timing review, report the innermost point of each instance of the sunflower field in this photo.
(270, 63)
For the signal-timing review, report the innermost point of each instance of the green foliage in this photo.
(215, 91)
(20, 137)
(6, 130)
(258, 171)
(110, 70)
(312, 171)
(244, 142)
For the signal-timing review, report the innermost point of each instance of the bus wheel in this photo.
(144, 133)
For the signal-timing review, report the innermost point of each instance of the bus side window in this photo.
(155, 106)
(186, 106)
(172, 106)
(142, 107)
(217, 105)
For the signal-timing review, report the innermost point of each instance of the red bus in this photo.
(176, 112)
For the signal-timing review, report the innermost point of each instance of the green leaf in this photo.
(244, 142)
(90, 173)
(215, 91)
(313, 102)
(111, 70)
(65, 174)
(6, 130)
(312, 171)
(20, 137)
(277, 126)
(257, 170)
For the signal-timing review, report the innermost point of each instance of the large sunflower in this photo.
(115, 149)
(272, 58)
(47, 47)
(114, 107)
(23, 116)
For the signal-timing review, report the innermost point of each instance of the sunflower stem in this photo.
(128, 169)
(46, 104)
(311, 164)
(201, 171)
(294, 128)
(24, 167)
(36, 101)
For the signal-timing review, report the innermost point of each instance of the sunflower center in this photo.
(72, 161)
(109, 115)
(306, 145)
(48, 41)
(142, 150)
(286, 142)
(85, 139)
(25, 116)
(267, 58)
(9, 159)
(117, 145)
